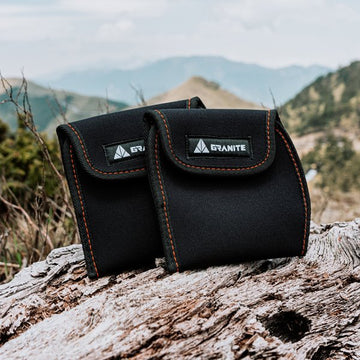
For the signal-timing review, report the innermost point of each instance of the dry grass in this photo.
(211, 93)
(30, 229)
(328, 207)
(27, 236)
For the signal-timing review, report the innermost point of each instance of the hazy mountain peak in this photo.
(210, 93)
(248, 81)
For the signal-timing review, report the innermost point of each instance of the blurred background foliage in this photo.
(337, 164)
(35, 214)
(22, 163)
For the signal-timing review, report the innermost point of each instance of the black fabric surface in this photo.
(226, 209)
(112, 201)
(258, 126)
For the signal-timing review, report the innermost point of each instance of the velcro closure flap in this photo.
(111, 146)
(218, 142)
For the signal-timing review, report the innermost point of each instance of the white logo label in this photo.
(201, 147)
(137, 148)
(227, 148)
(211, 147)
(120, 153)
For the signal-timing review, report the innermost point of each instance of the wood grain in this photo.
(291, 308)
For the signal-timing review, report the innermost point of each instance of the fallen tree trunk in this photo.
(284, 308)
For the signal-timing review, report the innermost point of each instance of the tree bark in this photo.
(289, 308)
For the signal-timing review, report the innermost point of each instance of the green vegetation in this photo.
(331, 100)
(35, 214)
(22, 163)
(331, 104)
(336, 162)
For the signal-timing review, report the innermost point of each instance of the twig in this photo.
(273, 99)
(24, 111)
(15, 266)
(20, 209)
(62, 110)
(28, 218)
(107, 105)
(139, 95)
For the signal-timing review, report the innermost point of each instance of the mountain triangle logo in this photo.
(201, 147)
(120, 153)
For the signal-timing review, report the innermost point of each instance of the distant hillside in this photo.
(210, 93)
(330, 102)
(248, 81)
(46, 110)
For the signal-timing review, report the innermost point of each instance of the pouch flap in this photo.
(219, 142)
(111, 146)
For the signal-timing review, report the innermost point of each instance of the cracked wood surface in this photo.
(287, 308)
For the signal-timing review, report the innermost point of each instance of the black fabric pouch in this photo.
(228, 187)
(104, 163)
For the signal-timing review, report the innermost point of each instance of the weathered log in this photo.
(288, 308)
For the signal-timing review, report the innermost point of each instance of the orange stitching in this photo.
(164, 201)
(301, 185)
(97, 170)
(83, 210)
(108, 172)
(217, 168)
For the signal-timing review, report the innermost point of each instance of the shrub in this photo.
(336, 162)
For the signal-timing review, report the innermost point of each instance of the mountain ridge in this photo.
(248, 81)
(330, 104)
(331, 101)
(48, 104)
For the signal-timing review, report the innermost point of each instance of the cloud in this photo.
(35, 28)
(46, 36)
(114, 31)
(255, 14)
(66, 19)
(136, 8)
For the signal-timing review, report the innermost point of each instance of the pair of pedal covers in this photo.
(199, 186)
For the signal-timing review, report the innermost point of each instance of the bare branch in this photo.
(61, 109)
(107, 105)
(139, 95)
(273, 99)
(24, 112)
(4, 264)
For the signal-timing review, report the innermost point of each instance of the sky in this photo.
(45, 38)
